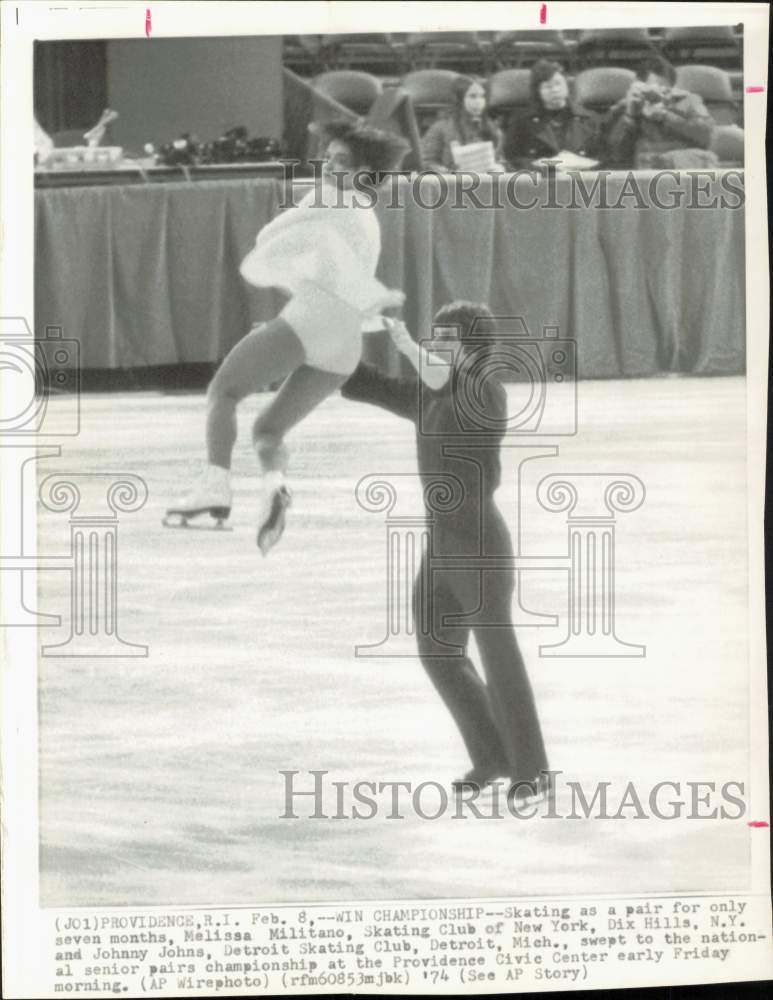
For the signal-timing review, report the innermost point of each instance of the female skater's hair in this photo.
(373, 149)
(470, 318)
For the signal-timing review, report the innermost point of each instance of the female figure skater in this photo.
(324, 253)
(466, 122)
(497, 719)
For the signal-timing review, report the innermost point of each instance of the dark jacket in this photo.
(631, 141)
(436, 143)
(541, 133)
(445, 445)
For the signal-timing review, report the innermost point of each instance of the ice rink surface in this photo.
(160, 776)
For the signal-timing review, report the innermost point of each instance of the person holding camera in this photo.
(461, 470)
(657, 125)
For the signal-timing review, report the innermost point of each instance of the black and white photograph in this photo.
(383, 448)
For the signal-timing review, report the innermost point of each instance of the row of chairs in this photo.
(509, 90)
(485, 52)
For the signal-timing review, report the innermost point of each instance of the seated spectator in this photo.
(466, 122)
(658, 125)
(553, 124)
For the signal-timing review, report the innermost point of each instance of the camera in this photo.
(235, 146)
(36, 370)
(184, 151)
(540, 374)
(651, 95)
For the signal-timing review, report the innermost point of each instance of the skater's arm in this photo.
(398, 395)
(432, 371)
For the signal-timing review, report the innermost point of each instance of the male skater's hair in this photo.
(657, 64)
(372, 148)
(470, 318)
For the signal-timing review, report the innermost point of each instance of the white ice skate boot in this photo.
(210, 495)
(275, 500)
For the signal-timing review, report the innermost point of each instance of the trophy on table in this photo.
(95, 135)
(85, 157)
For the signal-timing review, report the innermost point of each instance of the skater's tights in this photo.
(266, 355)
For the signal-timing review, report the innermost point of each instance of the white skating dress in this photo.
(324, 253)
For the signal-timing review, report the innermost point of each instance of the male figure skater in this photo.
(497, 719)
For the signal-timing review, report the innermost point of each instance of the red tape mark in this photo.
(754, 90)
(543, 14)
(757, 823)
(148, 25)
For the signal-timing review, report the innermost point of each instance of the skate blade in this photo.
(544, 792)
(190, 519)
(273, 528)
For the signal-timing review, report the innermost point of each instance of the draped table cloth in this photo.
(149, 274)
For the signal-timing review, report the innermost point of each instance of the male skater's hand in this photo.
(398, 331)
(434, 375)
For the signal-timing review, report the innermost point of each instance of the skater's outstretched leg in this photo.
(302, 392)
(266, 355)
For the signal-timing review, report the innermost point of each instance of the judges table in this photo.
(649, 277)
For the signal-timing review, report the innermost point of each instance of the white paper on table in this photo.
(474, 156)
(567, 160)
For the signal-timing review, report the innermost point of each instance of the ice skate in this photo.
(211, 495)
(271, 519)
(532, 793)
(478, 778)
